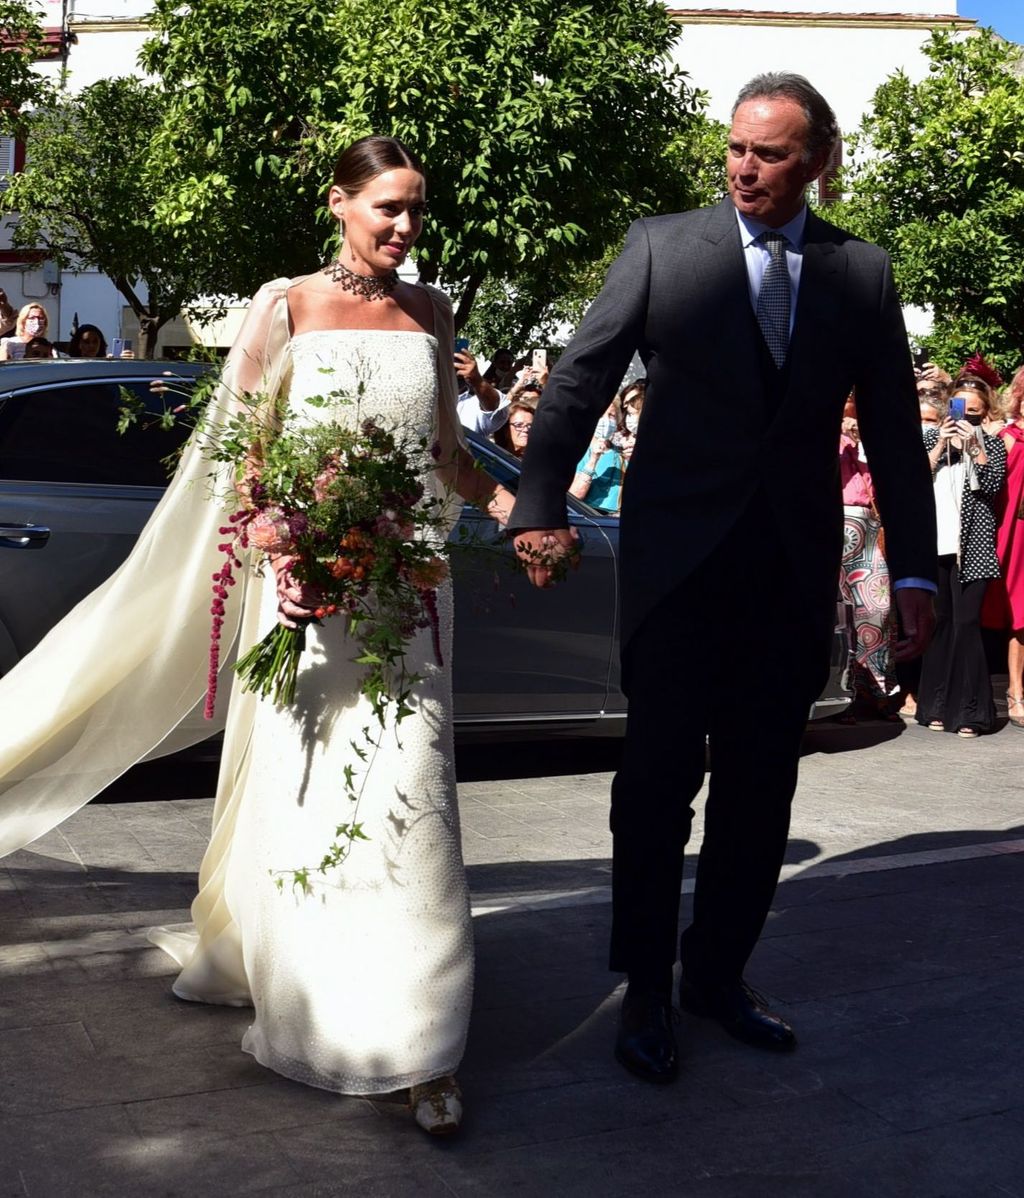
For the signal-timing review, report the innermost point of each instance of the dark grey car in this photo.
(74, 494)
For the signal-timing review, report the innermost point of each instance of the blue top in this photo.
(606, 486)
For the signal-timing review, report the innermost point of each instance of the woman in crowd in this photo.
(87, 341)
(8, 315)
(39, 347)
(364, 985)
(32, 322)
(631, 404)
(864, 578)
(598, 478)
(1004, 602)
(968, 468)
(514, 434)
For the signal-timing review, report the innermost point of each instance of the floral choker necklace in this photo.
(367, 287)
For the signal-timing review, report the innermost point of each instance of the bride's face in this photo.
(382, 221)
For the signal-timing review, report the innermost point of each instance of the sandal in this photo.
(936, 726)
(967, 732)
(437, 1105)
(1012, 701)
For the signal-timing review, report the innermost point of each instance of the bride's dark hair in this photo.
(369, 157)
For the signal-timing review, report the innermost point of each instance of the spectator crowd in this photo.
(500, 403)
(24, 334)
(972, 430)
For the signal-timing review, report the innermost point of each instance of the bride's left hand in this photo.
(296, 600)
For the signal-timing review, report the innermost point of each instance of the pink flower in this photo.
(388, 524)
(270, 531)
(323, 481)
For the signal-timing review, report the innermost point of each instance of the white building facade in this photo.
(845, 47)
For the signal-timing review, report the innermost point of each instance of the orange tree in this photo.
(542, 124)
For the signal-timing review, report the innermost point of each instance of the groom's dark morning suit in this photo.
(731, 535)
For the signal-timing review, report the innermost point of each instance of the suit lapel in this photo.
(722, 272)
(819, 304)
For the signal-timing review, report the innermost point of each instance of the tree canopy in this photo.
(544, 126)
(938, 179)
(88, 194)
(21, 37)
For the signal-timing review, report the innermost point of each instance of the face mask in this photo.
(33, 326)
(632, 420)
(974, 418)
(605, 428)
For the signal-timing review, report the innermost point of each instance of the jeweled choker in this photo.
(368, 287)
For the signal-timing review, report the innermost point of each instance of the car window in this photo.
(69, 434)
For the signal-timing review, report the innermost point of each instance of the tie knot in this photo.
(773, 242)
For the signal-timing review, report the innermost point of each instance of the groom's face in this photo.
(766, 167)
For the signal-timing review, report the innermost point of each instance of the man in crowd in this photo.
(730, 542)
(481, 406)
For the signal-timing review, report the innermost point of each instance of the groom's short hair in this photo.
(822, 127)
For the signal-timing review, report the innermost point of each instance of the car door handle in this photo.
(23, 536)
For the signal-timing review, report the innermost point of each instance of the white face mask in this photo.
(33, 326)
(632, 420)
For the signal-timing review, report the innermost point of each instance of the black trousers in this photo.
(956, 686)
(735, 655)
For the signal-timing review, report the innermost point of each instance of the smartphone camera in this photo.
(957, 408)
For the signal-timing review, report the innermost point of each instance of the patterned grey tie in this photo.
(773, 300)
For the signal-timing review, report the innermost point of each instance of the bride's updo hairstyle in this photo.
(369, 157)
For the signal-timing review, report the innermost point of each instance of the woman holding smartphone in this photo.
(968, 470)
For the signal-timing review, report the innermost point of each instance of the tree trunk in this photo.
(466, 300)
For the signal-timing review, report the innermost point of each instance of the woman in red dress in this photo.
(1004, 602)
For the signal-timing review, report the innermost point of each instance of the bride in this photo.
(364, 985)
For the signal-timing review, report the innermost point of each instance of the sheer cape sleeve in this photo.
(449, 437)
(124, 674)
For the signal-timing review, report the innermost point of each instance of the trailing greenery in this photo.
(543, 124)
(938, 179)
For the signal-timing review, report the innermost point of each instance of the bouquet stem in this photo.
(272, 665)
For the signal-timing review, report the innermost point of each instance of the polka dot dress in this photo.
(976, 504)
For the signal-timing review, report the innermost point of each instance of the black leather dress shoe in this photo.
(741, 1011)
(646, 1043)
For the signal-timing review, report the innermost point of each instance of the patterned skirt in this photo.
(864, 584)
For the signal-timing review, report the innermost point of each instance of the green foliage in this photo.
(539, 124)
(21, 85)
(89, 192)
(541, 307)
(938, 179)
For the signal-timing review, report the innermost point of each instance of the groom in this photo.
(755, 319)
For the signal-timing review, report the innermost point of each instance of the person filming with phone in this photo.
(481, 407)
(968, 469)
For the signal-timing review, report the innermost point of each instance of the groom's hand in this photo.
(916, 609)
(546, 553)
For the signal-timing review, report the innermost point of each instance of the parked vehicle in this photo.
(74, 494)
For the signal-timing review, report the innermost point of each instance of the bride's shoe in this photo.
(437, 1105)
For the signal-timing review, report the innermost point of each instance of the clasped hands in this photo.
(547, 553)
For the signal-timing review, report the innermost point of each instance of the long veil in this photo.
(123, 675)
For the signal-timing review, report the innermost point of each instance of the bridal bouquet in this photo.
(344, 502)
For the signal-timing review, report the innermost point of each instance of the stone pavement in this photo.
(895, 946)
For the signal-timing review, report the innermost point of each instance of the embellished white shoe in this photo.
(437, 1105)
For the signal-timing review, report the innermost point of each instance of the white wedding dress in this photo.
(364, 985)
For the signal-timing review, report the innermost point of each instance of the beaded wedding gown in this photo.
(364, 985)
